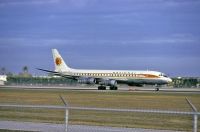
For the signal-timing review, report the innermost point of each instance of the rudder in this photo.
(59, 63)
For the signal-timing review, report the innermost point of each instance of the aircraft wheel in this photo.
(101, 87)
(157, 89)
(113, 88)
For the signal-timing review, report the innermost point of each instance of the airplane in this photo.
(106, 78)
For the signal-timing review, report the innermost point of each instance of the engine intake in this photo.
(87, 80)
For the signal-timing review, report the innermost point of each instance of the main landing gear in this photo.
(102, 87)
(113, 87)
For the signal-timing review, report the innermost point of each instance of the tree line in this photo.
(25, 78)
(24, 73)
(186, 82)
(18, 80)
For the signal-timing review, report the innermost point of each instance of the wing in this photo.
(59, 74)
(75, 77)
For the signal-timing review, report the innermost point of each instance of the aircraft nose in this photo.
(169, 80)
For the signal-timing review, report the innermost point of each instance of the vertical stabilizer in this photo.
(60, 65)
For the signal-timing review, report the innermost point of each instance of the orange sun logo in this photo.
(58, 61)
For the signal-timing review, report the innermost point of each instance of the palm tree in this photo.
(25, 69)
(3, 70)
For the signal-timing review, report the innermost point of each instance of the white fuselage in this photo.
(125, 76)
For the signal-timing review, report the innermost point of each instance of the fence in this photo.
(194, 114)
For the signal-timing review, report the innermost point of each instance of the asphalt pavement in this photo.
(84, 88)
(49, 127)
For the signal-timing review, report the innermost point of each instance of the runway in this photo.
(49, 127)
(134, 89)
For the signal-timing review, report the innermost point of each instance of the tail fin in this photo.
(60, 65)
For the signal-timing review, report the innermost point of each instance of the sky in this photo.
(160, 35)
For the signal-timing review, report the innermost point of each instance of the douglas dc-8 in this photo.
(107, 77)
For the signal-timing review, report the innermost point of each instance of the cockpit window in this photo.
(164, 75)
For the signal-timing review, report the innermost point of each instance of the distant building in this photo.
(47, 76)
(3, 79)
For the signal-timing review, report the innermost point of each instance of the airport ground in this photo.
(94, 88)
(49, 127)
(161, 100)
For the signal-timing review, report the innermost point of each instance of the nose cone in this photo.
(169, 80)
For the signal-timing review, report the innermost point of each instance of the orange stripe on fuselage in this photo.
(150, 76)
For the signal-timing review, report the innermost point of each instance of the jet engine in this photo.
(108, 82)
(87, 80)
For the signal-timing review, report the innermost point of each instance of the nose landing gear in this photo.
(157, 87)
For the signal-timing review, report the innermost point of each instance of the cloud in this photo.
(35, 42)
(175, 2)
(27, 2)
(81, 3)
(176, 39)
(122, 18)
(54, 3)
(125, 4)
(170, 40)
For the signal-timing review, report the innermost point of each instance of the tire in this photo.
(157, 89)
(101, 87)
(113, 88)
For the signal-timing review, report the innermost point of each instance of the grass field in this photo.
(113, 99)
